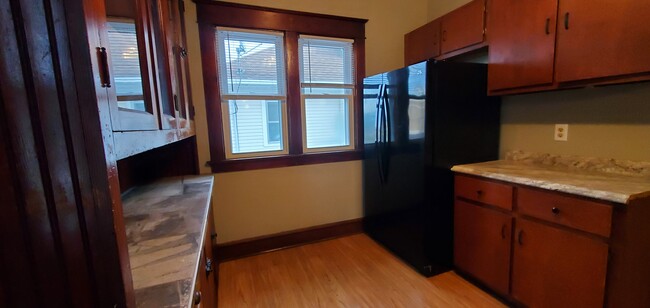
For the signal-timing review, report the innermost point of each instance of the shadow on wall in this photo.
(618, 104)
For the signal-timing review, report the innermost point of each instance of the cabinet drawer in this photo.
(577, 213)
(491, 193)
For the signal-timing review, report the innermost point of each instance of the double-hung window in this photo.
(327, 88)
(253, 92)
(281, 87)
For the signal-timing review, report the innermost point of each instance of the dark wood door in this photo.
(522, 43)
(557, 268)
(482, 241)
(463, 27)
(422, 43)
(601, 38)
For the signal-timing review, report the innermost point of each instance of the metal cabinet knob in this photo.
(555, 210)
(197, 298)
(208, 266)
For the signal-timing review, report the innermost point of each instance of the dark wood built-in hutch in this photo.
(95, 99)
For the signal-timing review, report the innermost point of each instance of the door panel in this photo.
(522, 43)
(482, 239)
(602, 39)
(463, 27)
(422, 43)
(557, 268)
(126, 48)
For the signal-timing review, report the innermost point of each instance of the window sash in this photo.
(227, 133)
(350, 123)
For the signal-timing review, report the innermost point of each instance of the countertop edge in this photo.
(566, 188)
(202, 242)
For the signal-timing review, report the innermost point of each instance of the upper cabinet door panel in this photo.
(126, 48)
(522, 43)
(422, 43)
(463, 27)
(602, 38)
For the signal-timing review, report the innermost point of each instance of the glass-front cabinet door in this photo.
(128, 69)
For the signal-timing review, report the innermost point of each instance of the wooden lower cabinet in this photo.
(207, 275)
(482, 244)
(557, 268)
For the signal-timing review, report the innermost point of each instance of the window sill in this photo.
(243, 164)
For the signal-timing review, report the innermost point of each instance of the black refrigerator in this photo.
(419, 121)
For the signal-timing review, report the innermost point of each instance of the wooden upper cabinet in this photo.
(463, 27)
(522, 43)
(482, 241)
(602, 38)
(557, 268)
(422, 43)
(126, 66)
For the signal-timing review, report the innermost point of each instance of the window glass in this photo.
(251, 63)
(253, 87)
(125, 63)
(327, 87)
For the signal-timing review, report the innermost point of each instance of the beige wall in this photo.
(262, 202)
(437, 8)
(609, 122)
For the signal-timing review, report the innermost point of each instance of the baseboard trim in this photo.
(257, 245)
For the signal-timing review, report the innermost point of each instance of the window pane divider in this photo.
(348, 96)
(225, 98)
(326, 85)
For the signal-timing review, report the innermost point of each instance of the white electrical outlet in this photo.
(561, 132)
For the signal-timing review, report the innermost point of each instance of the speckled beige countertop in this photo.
(605, 179)
(165, 224)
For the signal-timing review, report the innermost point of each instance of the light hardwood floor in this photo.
(351, 271)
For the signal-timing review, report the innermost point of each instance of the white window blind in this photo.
(251, 63)
(125, 63)
(327, 87)
(253, 91)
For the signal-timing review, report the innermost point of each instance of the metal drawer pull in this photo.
(566, 21)
(555, 210)
(208, 266)
(548, 26)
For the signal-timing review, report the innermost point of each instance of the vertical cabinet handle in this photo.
(566, 21)
(503, 232)
(520, 237)
(104, 73)
(444, 35)
(176, 106)
(548, 26)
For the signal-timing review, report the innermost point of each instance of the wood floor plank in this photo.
(351, 271)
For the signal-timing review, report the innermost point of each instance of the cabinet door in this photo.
(557, 268)
(602, 38)
(482, 241)
(181, 64)
(422, 43)
(522, 43)
(127, 67)
(463, 27)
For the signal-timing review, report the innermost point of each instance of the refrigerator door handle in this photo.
(378, 114)
(378, 133)
(386, 148)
